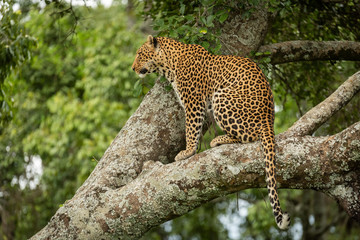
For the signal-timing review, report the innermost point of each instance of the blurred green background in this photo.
(67, 88)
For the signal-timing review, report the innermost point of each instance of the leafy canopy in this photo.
(15, 49)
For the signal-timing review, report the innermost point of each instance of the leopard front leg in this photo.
(194, 114)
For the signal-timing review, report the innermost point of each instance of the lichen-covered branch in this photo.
(318, 115)
(155, 131)
(303, 50)
(132, 189)
(162, 192)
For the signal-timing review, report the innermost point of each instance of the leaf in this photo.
(190, 18)
(205, 44)
(223, 17)
(168, 88)
(203, 20)
(209, 21)
(203, 30)
(173, 34)
(137, 88)
(182, 9)
(159, 24)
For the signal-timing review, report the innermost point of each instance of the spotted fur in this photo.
(233, 88)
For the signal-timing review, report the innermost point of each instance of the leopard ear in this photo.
(152, 41)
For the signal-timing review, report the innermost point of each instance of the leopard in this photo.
(232, 88)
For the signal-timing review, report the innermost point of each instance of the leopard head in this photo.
(145, 61)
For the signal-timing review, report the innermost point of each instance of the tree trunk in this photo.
(242, 35)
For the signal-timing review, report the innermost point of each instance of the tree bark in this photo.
(134, 187)
(242, 35)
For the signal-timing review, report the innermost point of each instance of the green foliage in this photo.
(73, 98)
(15, 46)
(305, 84)
(258, 225)
(201, 223)
(189, 21)
(297, 20)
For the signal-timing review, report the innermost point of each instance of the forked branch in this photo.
(163, 192)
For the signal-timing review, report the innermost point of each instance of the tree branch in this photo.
(318, 115)
(302, 50)
(130, 191)
(163, 192)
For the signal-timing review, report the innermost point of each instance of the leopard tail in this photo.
(268, 142)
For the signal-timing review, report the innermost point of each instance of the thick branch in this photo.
(292, 51)
(163, 192)
(156, 131)
(318, 115)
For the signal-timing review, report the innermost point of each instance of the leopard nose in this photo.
(133, 68)
(143, 71)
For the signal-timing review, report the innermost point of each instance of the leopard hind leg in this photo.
(233, 119)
